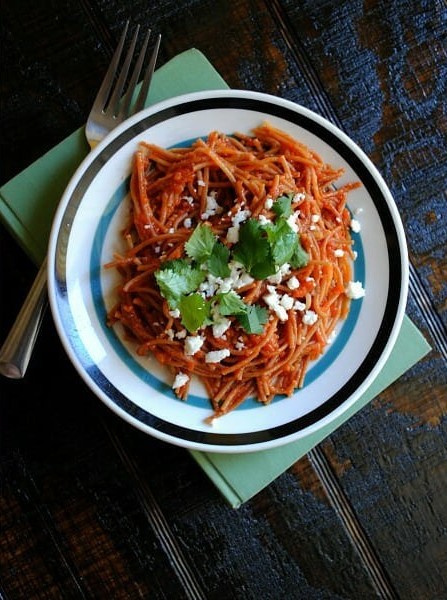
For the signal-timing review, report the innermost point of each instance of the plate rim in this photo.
(222, 442)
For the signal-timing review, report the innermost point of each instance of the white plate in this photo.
(86, 232)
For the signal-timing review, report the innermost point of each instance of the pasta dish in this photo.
(238, 263)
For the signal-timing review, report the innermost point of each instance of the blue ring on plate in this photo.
(392, 301)
(129, 359)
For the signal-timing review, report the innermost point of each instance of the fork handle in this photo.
(18, 346)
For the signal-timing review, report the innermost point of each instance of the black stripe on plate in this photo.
(394, 289)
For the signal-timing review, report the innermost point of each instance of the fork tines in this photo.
(111, 101)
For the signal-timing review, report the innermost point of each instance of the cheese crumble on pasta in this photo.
(238, 264)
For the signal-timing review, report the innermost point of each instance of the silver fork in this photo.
(109, 109)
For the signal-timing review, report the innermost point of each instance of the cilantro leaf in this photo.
(264, 269)
(253, 319)
(282, 206)
(200, 245)
(300, 257)
(252, 247)
(177, 278)
(231, 303)
(218, 261)
(250, 316)
(253, 250)
(195, 311)
(282, 241)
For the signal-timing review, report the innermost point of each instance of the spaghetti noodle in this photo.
(237, 264)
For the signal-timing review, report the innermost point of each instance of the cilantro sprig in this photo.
(253, 318)
(262, 249)
(195, 311)
(250, 316)
(178, 278)
(253, 250)
(205, 248)
(282, 207)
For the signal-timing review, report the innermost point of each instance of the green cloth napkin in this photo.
(27, 206)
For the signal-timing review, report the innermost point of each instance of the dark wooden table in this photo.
(90, 507)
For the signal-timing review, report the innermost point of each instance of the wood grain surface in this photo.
(91, 508)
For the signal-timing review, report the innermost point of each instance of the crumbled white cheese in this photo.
(201, 183)
(193, 343)
(287, 301)
(240, 217)
(226, 285)
(212, 208)
(315, 218)
(299, 197)
(209, 286)
(354, 290)
(310, 317)
(243, 280)
(170, 333)
(180, 380)
(292, 221)
(264, 220)
(293, 283)
(180, 335)
(216, 356)
(220, 326)
(268, 203)
(338, 253)
(239, 345)
(273, 301)
(299, 306)
(238, 276)
(233, 231)
(282, 271)
(355, 226)
(187, 223)
(233, 235)
(175, 314)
